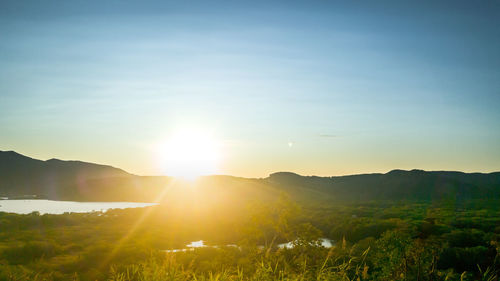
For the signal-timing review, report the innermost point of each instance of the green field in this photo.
(375, 240)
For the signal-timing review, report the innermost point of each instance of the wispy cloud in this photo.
(328, 136)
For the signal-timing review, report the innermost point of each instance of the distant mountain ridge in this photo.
(58, 179)
(82, 181)
(398, 185)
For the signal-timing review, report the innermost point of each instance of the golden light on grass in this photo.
(189, 154)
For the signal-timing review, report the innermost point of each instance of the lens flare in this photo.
(189, 154)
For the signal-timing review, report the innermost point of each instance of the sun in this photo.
(189, 154)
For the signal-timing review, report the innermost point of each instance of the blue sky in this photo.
(355, 86)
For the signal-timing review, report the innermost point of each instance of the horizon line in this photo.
(269, 175)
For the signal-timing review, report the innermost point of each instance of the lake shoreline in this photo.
(57, 207)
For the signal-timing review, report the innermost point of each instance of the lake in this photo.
(60, 207)
(324, 242)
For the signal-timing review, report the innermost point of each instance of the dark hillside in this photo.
(75, 180)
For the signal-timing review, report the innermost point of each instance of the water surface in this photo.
(60, 207)
(324, 242)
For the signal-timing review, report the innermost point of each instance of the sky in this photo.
(312, 87)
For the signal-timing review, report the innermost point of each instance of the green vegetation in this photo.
(374, 241)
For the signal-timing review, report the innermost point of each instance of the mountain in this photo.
(72, 180)
(395, 185)
(75, 180)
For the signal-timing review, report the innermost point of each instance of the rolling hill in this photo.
(75, 180)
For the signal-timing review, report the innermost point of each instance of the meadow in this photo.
(376, 240)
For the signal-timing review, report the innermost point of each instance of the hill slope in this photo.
(395, 185)
(75, 180)
(57, 179)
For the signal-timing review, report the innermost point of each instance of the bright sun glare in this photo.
(189, 154)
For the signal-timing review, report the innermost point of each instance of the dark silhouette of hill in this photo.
(76, 180)
(395, 185)
(70, 180)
